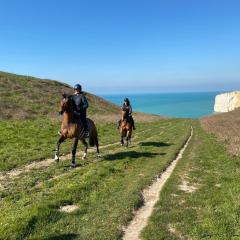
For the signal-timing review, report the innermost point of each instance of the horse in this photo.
(72, 128)
(125, 128)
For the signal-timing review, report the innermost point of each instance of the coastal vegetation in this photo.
(226, 127)
(40, 199)
(201, 198)
(105, 190)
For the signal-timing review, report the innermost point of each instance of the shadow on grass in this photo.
(155, 144)
(69, 236)
(131, 154)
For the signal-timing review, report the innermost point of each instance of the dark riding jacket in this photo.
(80, 103)
(127, 109)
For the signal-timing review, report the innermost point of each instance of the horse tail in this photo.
(93, 135)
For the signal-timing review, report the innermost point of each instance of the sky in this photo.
(116, 46)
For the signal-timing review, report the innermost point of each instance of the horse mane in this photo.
(124, 114)
(69, 98)
(66, 95)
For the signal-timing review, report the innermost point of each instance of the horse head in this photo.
(66, 104)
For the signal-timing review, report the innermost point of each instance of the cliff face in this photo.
(227, 102)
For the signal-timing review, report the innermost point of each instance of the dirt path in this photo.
(40, 164)
(151, 196)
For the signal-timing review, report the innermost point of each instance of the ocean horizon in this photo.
(179, 105)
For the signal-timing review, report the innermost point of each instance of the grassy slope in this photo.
(226, 127)
(28, 108)
(23, 97)
(213, 210)
(106, 191)
(22, 142)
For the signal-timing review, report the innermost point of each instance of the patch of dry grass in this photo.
(24, 97)
(114, 118)
(226, 127)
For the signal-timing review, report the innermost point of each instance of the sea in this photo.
(179, 105)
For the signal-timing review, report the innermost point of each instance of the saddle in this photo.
(127, 119)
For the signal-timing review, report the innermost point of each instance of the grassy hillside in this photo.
(226, 126)
(105, 190)
(199, 201)
(23, 97)
(29, 108)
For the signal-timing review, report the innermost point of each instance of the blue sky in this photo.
(124, 45)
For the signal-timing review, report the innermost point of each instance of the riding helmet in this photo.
(78, 86)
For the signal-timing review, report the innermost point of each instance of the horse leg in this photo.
(86, 148)
(129, 132)
(73, 164)
(130, 136)
(60, 140)
(122, 141)
(97, 146)
(127, 140)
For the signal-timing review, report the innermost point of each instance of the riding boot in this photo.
(133, 124)
(85, 126)
(83, 119)
(86, 135)
(86, 130)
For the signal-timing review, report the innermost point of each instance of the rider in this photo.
(128, 108)
(80, 106)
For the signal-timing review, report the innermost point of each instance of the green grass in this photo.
(22, 142)
(210, 212)
(106, 190)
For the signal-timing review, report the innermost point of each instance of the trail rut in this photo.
(151, 196)
(47, 162)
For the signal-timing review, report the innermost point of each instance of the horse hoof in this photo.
(73, 165)
(56, 159)
(84, 156)
(98, 155)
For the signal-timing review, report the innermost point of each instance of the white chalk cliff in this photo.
(227, 102)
